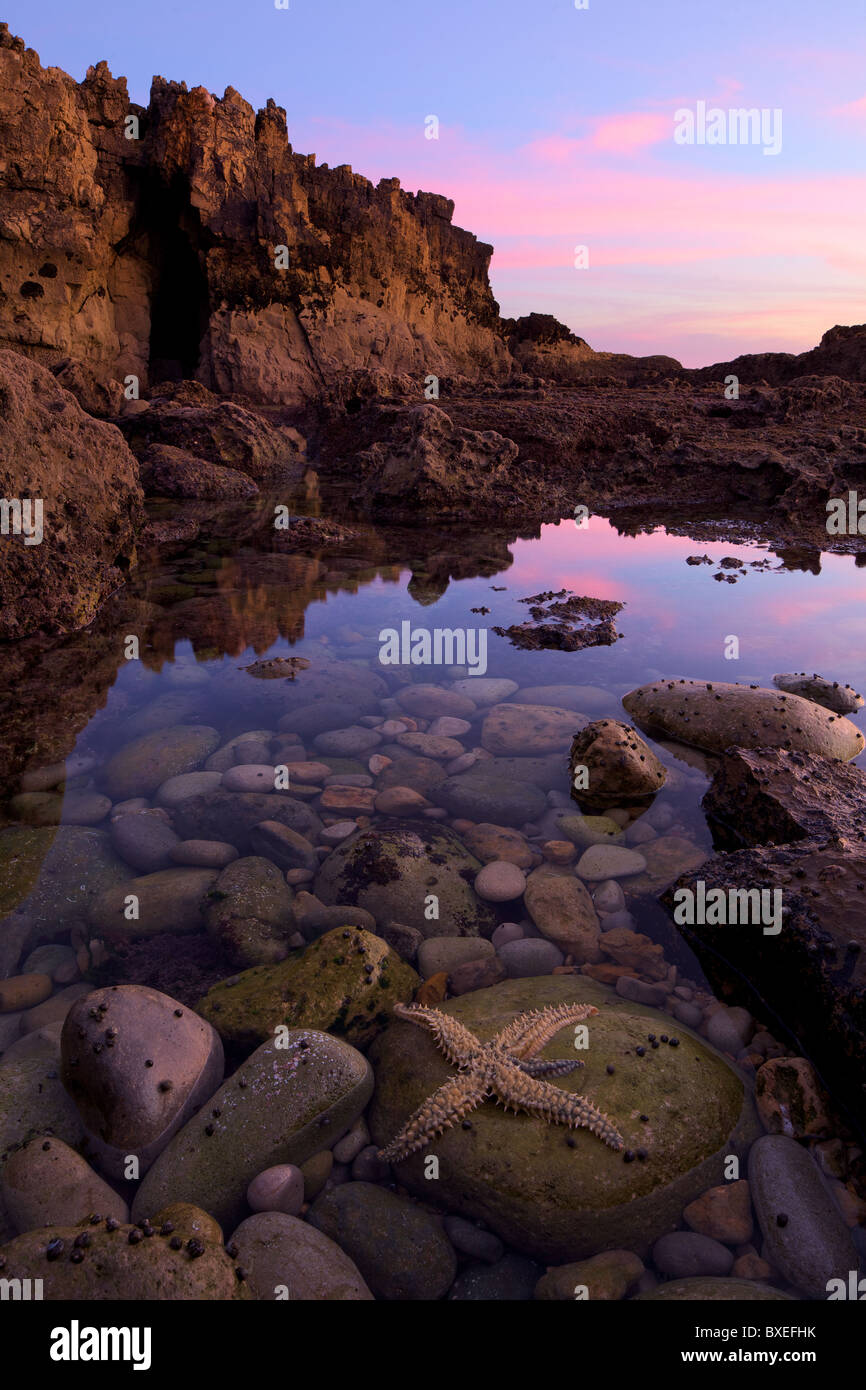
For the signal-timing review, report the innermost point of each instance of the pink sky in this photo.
(702, 257)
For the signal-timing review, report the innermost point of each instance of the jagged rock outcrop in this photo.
(158, 255)
(69, 486)
(841, 353)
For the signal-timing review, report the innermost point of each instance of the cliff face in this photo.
(158, 256)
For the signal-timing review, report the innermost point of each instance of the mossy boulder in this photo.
(346, 983)
(715, 715)
(112, 1268)
(395, 869)
(520, 1176)
(143, 765)
(293, 1096)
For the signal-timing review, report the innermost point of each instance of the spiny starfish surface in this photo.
(508, 1067)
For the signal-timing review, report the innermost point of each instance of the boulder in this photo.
(394, 872)
(142, 766)
(545, 1197)
(116, 1267)
(620, 767)
(289, 1099)
(285, 1258)
(46, 1183)
(346, 983)
(715, 715)
(80, 475)
(138, 1065)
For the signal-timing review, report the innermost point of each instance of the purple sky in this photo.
(556, 130)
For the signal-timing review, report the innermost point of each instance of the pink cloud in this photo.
(633, 131)
(700, 259)
(857, 109)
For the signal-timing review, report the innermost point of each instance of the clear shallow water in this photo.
(677, 620)
(221, 604)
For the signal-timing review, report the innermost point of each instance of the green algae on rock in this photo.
(555, 1194)
(715, 715)
(113, 1266)
(282, 1105)
(395, 869)
(347, 983)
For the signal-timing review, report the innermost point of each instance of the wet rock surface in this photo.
(520, 1176)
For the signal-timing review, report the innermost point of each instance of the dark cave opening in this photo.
(180, 304)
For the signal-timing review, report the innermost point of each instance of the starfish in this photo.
(508, 1067)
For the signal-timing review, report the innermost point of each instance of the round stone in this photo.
(280, 1188)
(500, 882)
(394, 874)
(526, 958)
(250, 777)
(432, 701)
(608, 861)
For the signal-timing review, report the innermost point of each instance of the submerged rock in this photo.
(143, 765)
(137, 1070)
(345, 983)
(280, 1252)
(396, 873)
(804, 1234)
(117, 1267)
(619, 766)
(232, 816)
(399, 1247)
(842, 699)
(53, 876)
(528, 730)
(282, 1105)
(550, 1198)
(716, 715)
(169, 900)
(249, 911)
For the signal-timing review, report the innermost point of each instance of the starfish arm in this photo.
(527, 1034)
(453, 1040)
(540, 1066)
(521, 1092)
(440, 1111)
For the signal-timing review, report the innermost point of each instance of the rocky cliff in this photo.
(147, 242)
